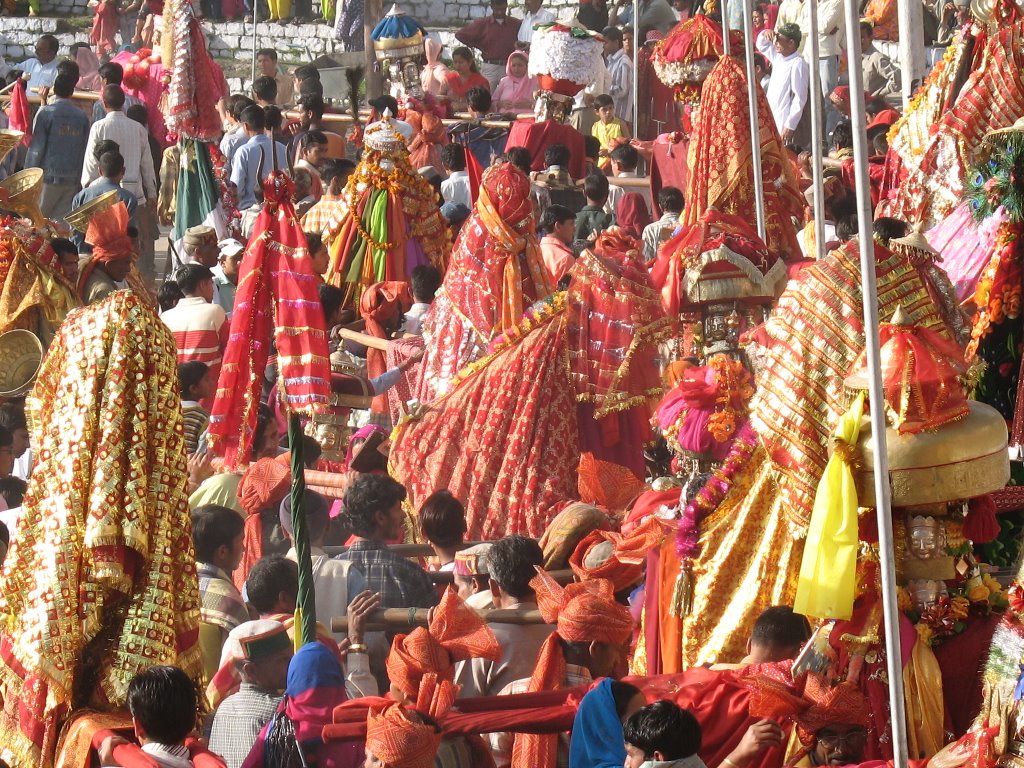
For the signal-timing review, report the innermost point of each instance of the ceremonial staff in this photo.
(886, 552)
(817, 144)
(755, 129)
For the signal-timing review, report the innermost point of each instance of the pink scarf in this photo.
(515, 90)
(432, 76)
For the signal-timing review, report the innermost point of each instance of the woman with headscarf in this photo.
(597, 730)
(434, 72)
(316, 685)
(495, 273)
(88, 69)
(515, 92)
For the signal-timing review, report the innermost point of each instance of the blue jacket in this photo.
(59, 136)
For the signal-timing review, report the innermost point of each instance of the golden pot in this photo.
(961, 460)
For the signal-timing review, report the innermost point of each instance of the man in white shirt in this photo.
(455, 189)
(533, 15)
(790, 12)
(42, 69)
(789, 82)
(831, 32)
(133, 143)
(620, 71)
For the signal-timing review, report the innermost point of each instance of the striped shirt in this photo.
(239, 720)
(620, 70)
(196, 420)
(200, 331)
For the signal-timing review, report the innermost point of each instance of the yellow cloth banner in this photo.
(828, 572)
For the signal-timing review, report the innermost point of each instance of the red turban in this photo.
(400, 741)
(266, 482)
(107, 233)
(625, 567)
(456, 632)
(810, 702)
(584, 612)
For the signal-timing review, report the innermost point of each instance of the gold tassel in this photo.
(681, 603)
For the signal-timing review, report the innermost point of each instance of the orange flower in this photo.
(995, 310)
(1011, 301)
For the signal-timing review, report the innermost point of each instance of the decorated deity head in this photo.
(925, 593)
(552, 106)
(925, 538)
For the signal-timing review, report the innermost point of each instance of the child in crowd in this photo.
(593, 219)
(195, 385)
(317, 253)
(217, 536)
(665, 735)
(559, 226)
(426, 280)
(442, 520)
(168, 295)
(608, 129)
(13, 419)
(6, 452)
(455, 189)
(163, 702)
(670, 201)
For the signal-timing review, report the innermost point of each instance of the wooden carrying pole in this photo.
(395, 619)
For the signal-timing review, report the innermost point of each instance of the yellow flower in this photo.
(978, 593)
(924, 632)
(991, 583)
(959, 606)
(903, 599)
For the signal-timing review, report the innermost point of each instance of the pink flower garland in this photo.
(710, 496)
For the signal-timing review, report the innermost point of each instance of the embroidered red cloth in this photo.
(277, 294)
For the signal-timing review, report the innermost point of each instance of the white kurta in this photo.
(788, 85)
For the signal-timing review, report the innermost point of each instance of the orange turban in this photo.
(584, 612)
(265, 482)
(456, 632)
(813, 708)
(400, 741)
(107, 233)
(628, 556)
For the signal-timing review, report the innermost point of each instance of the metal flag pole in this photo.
(883, 502)
(255, 19)
(817, 129)
(636, 72)
(725, 28)
(755, 127)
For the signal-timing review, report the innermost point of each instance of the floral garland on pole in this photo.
(697, 511)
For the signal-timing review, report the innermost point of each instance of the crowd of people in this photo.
(156, 574)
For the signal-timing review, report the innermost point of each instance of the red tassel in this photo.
(980, 524)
